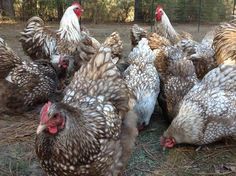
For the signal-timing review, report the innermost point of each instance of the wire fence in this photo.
(179, 11)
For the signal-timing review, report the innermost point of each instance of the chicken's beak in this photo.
(40, 128)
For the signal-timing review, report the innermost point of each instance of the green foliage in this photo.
(99, 11)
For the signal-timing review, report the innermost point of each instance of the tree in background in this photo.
(98, 11)
(7, 8)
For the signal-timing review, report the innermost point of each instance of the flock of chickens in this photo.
(93, 109)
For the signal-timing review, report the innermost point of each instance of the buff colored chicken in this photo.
(224, 43)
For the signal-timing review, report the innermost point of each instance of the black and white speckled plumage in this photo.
(208, 111)
(95, 106)
(27, 83)
(142, 80)
(39, 42)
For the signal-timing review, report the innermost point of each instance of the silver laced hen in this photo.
(25, 83)
(143, 81)
(208, 111)
(91, 132)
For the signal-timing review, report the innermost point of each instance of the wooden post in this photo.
(234, 7)
(152, 15)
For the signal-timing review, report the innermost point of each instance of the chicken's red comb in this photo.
(76, 3)
(159, 7)
(44, 111)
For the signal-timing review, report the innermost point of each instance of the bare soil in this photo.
(17, 132)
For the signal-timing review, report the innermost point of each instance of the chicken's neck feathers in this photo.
(167, 29)
(70, 27)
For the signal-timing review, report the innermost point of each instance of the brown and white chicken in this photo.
(38, 41)
(91, 132)
(224, 43)
(201, 53)
(164, 27)
(178, 76)
(25, 83)
(208, 111)
(143, 81)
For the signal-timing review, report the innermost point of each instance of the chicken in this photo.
(202, 54)
(40, 42)
(224, 43)
(25, 83)
(136, 34)
(208, 111)
(156, 42)
(177, 76)
(164, 27)
(92, 131)
(143, 81)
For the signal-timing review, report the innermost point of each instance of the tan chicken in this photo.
(224, 43)
(143, 81)
(201, 53)
(156, 42)
(91, 132)
(25, 83)
(208, 111)
(38, 41)
(164, 27)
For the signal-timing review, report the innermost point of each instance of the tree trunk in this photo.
(7, 8)
(138, 10)
(60, 10)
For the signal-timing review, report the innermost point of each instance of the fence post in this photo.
(199, 15)
(152, 15)
(234, 7)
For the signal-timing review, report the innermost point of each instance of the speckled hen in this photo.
(177, 76)
(208, 111)
(143, 81)
(201, 53)
(25, 83)
(91, 132)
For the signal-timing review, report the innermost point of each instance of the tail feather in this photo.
(37, 41)
(8, 59)
(136, 34)
(100, 77)
(142, 53)
(116, 45)
(182, 68)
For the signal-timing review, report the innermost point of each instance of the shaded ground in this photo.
(17, 156)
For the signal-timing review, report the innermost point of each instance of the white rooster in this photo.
(40, 42)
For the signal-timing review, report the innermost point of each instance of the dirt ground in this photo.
(17, 157)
